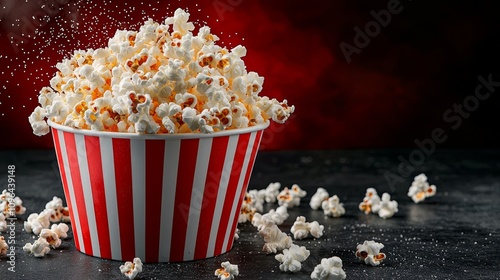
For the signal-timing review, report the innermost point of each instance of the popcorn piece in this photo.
(301, 229)
(297, 191)
(318, 198)
(277, 217)
(3, 223)
(275, 239)
(420, 189)
(291, 259)
(369, 252)
(332, 207)
(329, 269)
(291, 197)
(3, 246)
(371, 198)
(237, 234)
(39, 248)
(37, 222)
(271, 192)
(11, 206)
(257, 200)
(61, 230)
(51, 237)
(58, 213)
(387, 207)
(131, 269)
(227, 271)
(247, 213)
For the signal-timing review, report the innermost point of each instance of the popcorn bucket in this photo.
(162, 198)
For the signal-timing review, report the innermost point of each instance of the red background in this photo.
(395, 90)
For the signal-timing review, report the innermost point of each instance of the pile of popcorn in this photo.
(160, 79)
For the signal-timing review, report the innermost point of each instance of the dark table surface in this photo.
(453, 235)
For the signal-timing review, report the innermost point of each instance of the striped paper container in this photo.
(162, 198)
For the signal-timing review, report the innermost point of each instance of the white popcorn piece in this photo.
(227, 271)
(420, 189)
(275, 240)
(291, 259)
(6, 203)
(332, 207)
(369, 252)
(257, 200)
(58, 213)
(3, 246)
(291, 197)
(131, 269)
(3, 223)
(329, 269)
(237, 234)
(277, 217)
(297, 191)
(387, 207)
(371, 198)
(51, 237)
(301, 229)
(318, 198)
(37, 222)
(60, 229)
(247, 213)
(38, 249)
(271, 192)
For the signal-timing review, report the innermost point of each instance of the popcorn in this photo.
(297, 191)
(51, 237)
(277, 217)
(11, 206)
(39, 248)
(369, 252)
(257, 200)
(318, 198)
(420, 189)
(131, 269)
(3, 223)
(61, 230)
(227, 271)
(371, 198)
(387, 207)
(291, 259)
(237, 234)
(301, 229)
(291, 197)
(58, 213)
(122, 86)
(247, 213)
(330, 269)
(37, 222)
(332, 207)
(3, 246)
(275, 239)
(270, 193)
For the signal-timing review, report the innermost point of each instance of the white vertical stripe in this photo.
(221, 194)
(87, 192)
(138, 161)
(108, 171)
(71, 191)
(171, 163)
(248, 153)
(200, 175)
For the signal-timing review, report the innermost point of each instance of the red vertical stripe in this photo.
(155, 150)
(231, 191)
(64, 180)
(212, 183)
(76, 179)
(185, 175)
(98, 194)
(123, 181)
(244, 188)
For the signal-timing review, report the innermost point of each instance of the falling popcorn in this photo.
(332, 207)
(420, 189)
(131, 269)
(371, 198)
(318, 198)
(301, 229)
(369, 252)
(275, 240)
(227, 271)
(329, 269)
(291, 259)
(387, 207)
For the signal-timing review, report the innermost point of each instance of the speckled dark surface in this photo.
(453, 235)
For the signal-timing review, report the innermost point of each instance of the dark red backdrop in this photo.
(395, 89)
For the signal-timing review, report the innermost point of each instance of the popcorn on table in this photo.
(277, 217)
(58, 213)
(291, 259)
(329, 269)
(5, 199)
(275, 240)
(332, 207)
(51, 237)
(301, 229)
(3, 223)
(291, 197)
(38, 249)
(60, 229)
(270, 193)
(369, 252)
(387, 207)
(157, 80)
(131, 269)
(3, 246)
(420, 189)
(318, 198)
(227, 271)
(371, 198)
(37, 222)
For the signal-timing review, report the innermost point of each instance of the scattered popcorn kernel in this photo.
(237, 234)
(275, 239)
(257, 200)
(277, 217)
(37, 222)
(318, 198)
(371, 198)
(58, 213)
(291, 259)
(6, 203)
(131, 269)
(60, 229)
(329, 269)
(332, 207)
(420, 189)
(38, 249)
(3, 246)
(369, 252)
(51, 237)
(291, 197)
(301, 229)
(387, 207)
(271, 192)
(227, 271)
(247, 213)
(3, 223)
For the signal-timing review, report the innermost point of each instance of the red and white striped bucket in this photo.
(163, 198)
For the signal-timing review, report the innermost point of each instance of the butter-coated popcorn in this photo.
(227, 271)
(275, 240)
(38, 249)
(131, 269)
(333, 207)
(301, 229)
(318, 198)
(121, 86)
(329, 269)
(387, 207)
(369, 252)
(420, 189)
(291, 259)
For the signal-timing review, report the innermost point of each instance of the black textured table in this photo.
(453, 235)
